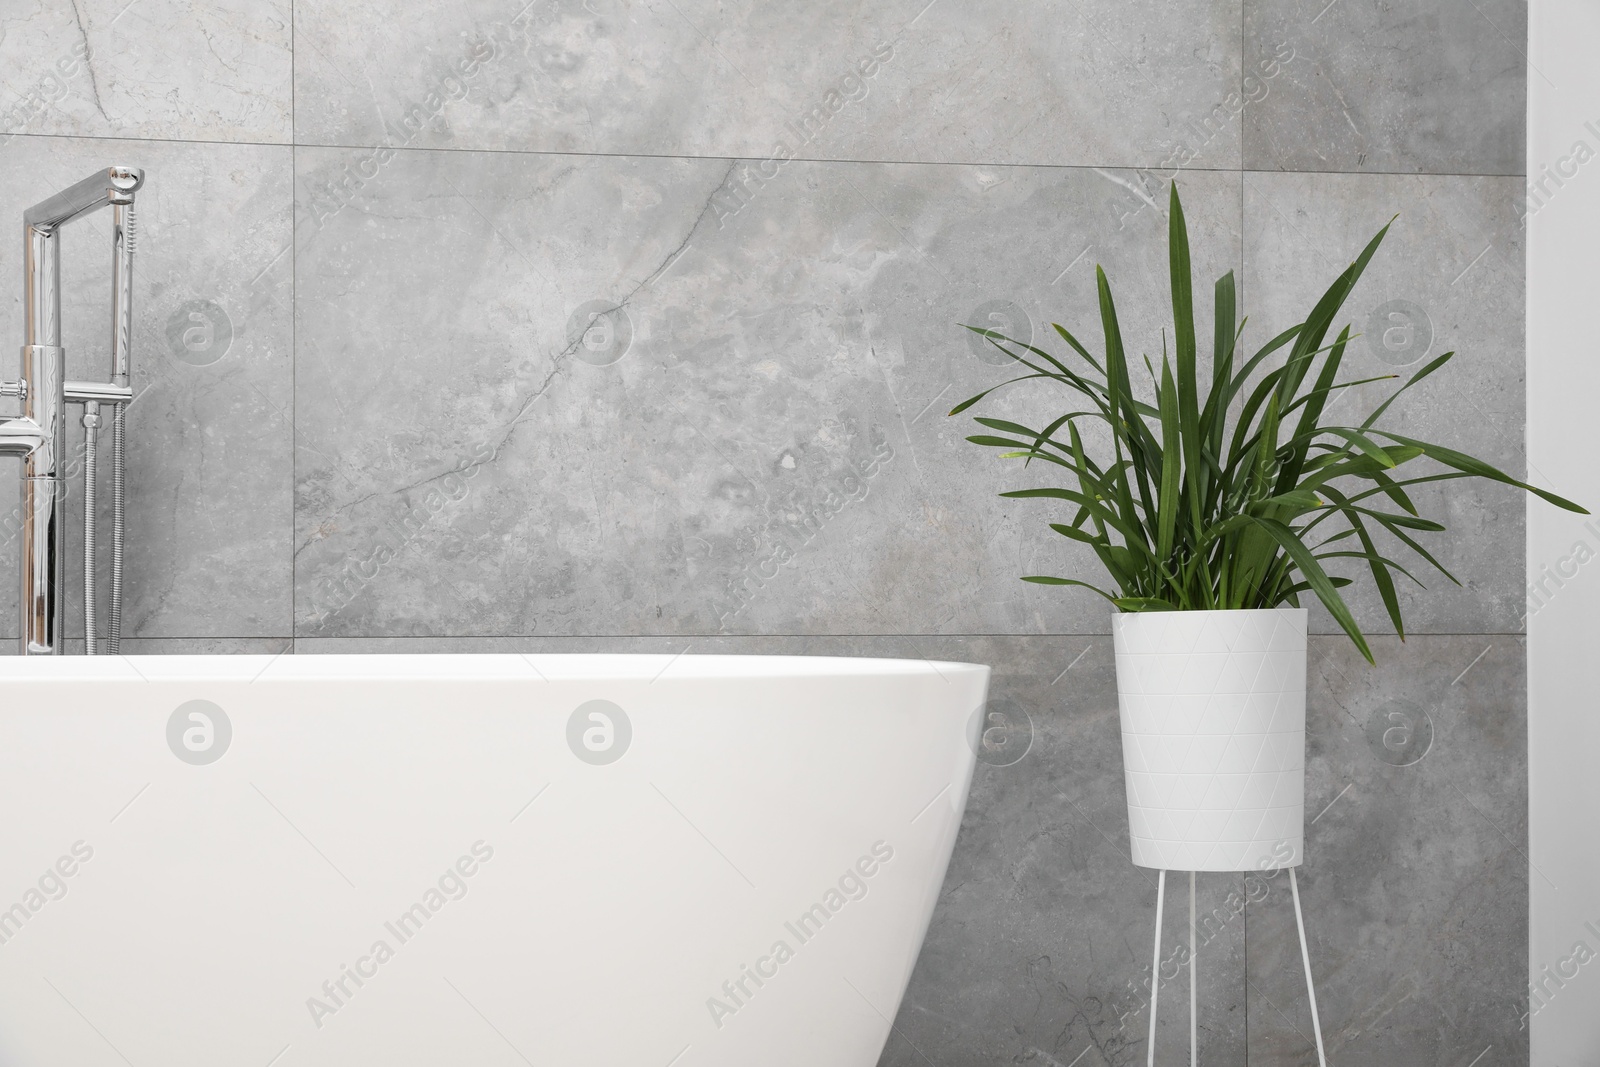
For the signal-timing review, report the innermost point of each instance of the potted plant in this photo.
(1215, 506)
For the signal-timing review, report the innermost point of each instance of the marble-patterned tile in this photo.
(209, 456)
(1140, 84)
(1448, 277)
(1404, 86)
(207, 646)
(1415, 887)
(570, 395)
(987, 650)
(192, 646)
(213, 70)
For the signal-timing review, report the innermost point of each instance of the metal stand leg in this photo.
(91, 470)
(1194, 998)
(1305, 957)
(1155, 966)
(119, 452)
(1194, 971)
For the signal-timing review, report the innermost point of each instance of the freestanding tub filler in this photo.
(580, 861)
(39, 434)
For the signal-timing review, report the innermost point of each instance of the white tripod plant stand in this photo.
(1213, 713)
(1194, 954)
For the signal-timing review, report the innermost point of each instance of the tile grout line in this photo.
(294, 329)
(399, 149)
(1244, 926)
(1062, 636)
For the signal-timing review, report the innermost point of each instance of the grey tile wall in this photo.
(801, 347)
(617, 325)
(1403, 86)
(1448, 278)
(1084, 85)
(216, 70)
(1416, 885)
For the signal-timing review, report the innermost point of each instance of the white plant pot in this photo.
(1213, 737)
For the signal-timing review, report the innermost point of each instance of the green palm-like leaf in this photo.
(1235, 492)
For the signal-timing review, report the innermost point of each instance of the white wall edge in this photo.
(1563, 399)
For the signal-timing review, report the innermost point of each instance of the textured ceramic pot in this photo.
(1213, 710)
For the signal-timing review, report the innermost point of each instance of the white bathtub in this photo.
(425, 860)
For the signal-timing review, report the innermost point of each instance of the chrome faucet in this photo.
(38, 434)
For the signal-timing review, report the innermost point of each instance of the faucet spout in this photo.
(20, 436)
(115, 185)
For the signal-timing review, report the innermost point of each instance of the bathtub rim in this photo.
(476, 666)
